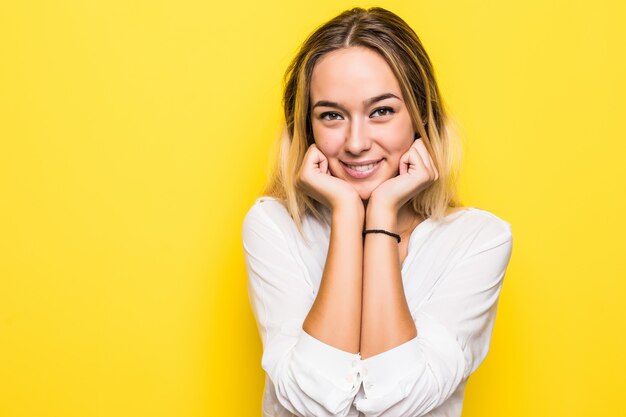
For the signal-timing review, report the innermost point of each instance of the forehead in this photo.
(352, 75)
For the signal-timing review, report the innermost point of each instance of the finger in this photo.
(432, 163)
(323, 164)
(433, 166)
(419, 146)
(404, 163)
(412, 161)
(318, 159)
(408, 160)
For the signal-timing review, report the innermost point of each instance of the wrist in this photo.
(381, 217)
(382, 203)
(352, 207)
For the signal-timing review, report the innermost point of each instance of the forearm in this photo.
(335, 317)
(386, 318)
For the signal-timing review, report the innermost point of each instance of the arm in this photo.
(454, 328)
(411, 371)
(387, 321)
(335, 317)
(309, 376)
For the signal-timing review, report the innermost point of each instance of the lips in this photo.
(361, 169)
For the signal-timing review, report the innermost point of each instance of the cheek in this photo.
(328, 141)
(396, 135)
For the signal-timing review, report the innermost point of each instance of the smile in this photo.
(361, 171)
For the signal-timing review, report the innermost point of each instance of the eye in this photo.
(383, 111)
(331, 114)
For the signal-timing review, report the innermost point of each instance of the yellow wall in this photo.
(134, 136)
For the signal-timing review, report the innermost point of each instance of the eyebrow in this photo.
(368, 102)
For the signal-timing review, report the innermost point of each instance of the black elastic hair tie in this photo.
(382, 231)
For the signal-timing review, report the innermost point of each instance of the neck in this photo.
(407, 219)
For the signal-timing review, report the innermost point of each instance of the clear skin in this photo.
(361, 306)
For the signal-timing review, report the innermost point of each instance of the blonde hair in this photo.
(390, 36)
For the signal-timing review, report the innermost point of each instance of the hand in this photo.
(314, 179)
(417, 172)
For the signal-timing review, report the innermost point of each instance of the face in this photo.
(359, 119)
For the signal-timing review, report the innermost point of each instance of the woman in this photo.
(374, 290)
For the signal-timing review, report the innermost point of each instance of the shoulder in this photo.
(478, 228)
(488, 222)
(267, 215)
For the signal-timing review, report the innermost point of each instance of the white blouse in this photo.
(452, 277)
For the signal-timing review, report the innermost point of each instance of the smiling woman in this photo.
(370, 126)
(374, 289)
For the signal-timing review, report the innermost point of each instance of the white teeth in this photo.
(362, 168)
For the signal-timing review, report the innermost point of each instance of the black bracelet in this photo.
(381, 231)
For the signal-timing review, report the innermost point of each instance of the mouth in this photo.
(361, 170)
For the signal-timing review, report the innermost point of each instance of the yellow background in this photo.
(135, 135)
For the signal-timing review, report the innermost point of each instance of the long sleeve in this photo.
(311, 378)
(454, 331)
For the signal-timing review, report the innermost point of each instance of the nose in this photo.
(357, 138)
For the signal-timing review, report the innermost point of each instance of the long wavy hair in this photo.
(387, 34)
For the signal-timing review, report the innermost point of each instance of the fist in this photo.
(315, 180)
(417, 172)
